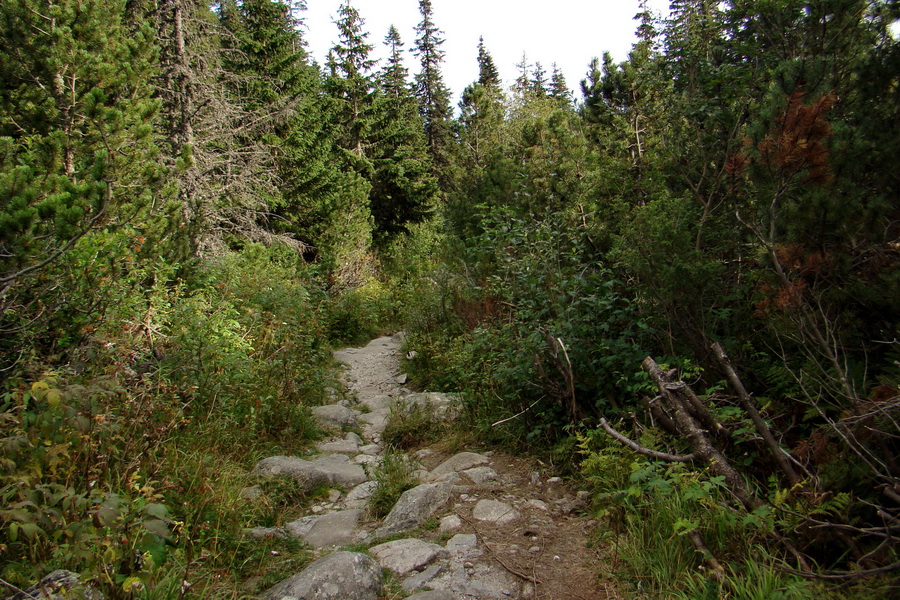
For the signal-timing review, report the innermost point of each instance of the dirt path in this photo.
(481, 525)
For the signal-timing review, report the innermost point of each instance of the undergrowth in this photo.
(124, 454)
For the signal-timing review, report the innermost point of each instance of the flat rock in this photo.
(338, 447)
(414, 507)
(482, 475)
(338, 576)
(375, 422)
(442, 406)
(432, 595)
(494, 511)
(340, 470)
(359, 496)
(459, 462)
(403, 556)
(328, 530)
(377, 402)
(306, 474)
(370, 449)
(334, 415)
(265, 533)
(462, 544)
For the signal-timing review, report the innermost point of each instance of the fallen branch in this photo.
(642, 450)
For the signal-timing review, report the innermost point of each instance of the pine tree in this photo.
(433, 95)
(77, 155)
(559, 89)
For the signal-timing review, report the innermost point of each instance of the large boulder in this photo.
(338, 576)
(340, 470)
(403, 556)
(415, 507)
(327, 531)
(307, 475)
(334, 416)
(456, 463)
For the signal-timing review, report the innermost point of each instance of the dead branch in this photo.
(749, 406)
(642, 450)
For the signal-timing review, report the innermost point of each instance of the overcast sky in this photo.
(567, 32)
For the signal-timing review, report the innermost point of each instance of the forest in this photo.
(679, 285)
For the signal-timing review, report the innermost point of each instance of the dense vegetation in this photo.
(193, 212)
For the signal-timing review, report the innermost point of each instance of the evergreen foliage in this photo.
(433, 95)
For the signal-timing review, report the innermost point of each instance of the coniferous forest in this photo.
(680, 276)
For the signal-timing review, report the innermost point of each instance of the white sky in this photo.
(567, 32)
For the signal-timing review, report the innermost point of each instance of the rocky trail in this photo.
(480, 525)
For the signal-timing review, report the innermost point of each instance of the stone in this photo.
(494, 511)
(450, 523)
(442, 406)
(420, 580)
(370, 449)
(402, 378)
(329, 530)
(265, 533)
(377, 403)
(366, 459)
(340, 470)
(432, 595)
(358, 496)
(59, 585)
(338, 447)
(307, 475)
(403, 556)
(353, 437)
(414, 507)
(375, 422)
(462, 544)
(252, 493)
(537, 504)
(334, 415)
(458, 462)
(482, 475)
(338, 576)
(554, 480)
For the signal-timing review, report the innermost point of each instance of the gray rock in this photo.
(329, 530)
(450, 523)
(442, 406)
(338, 447)
(403, 556)
(375, 403)
(360, 494)
(414, 507)
(334, 415)
(494, 511)
(459, 462)
(537, 504)
(307, 475)
(58, 585)
(338, 576)
(252, 493)
(370, 449)
(462, 544)
(265, 533)
(375, 422)
(340, 470)
(366, 459)
(432, 595)
(482, 475)
(353, 437)
(420, 580)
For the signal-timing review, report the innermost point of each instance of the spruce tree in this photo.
(402, 185)
(488, 75)
(433, 95)
(559, 89)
